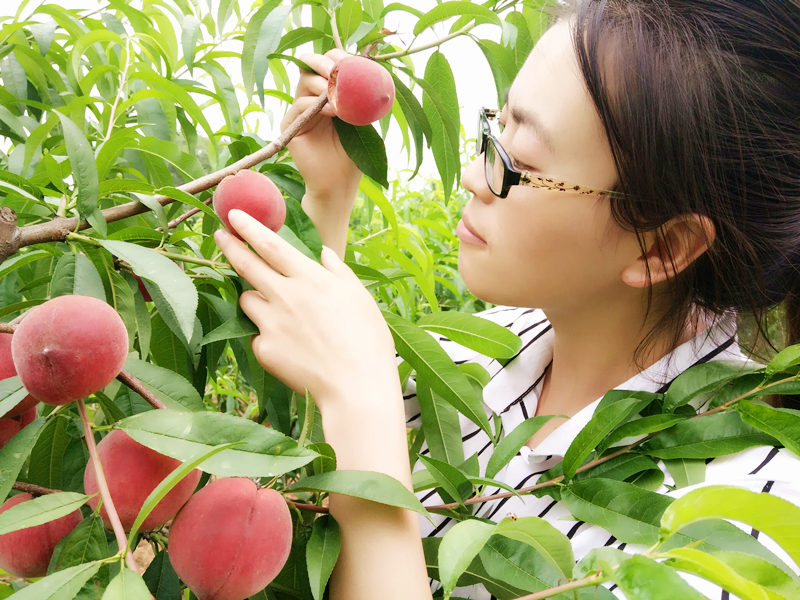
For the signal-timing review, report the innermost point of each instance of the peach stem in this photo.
(102, 485)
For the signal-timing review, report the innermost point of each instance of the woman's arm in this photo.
(320, 331)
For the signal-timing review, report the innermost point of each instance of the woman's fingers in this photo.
(274, 251)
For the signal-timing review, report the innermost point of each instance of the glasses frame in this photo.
(512, 176)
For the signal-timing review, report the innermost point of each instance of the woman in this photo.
(644, 188)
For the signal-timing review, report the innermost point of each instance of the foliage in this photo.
(108, 154)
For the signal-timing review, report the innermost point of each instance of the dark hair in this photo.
(701, 105)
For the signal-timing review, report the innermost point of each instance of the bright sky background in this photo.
(473, 78)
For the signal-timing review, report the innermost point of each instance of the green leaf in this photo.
(686, 471)
(483, 336)
(169, 387)
(453, 482)
(190, 33)
(369, 485)
(322, 551)
(126, 585)
(616, 407)
(161, 578)
(42, 509)
(76, 274)
(84, 170)
(12, 392)
(715, 568)
(702, 379)
(84, 543)
(237, 327)
(184, 435)
(642, 578)
(781, 423)
(15, 452)
(456, 8)
(440, 103)
(365, 146)
(173, 292)
(61, 585)
(769, 514)
(704, 437)
(510, 445)
(629, 512)
(458, 547)
(548, 541)
(784, 360)
(436, 369)
(261, 38)
(440, 426)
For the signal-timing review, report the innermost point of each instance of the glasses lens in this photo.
(495, 169)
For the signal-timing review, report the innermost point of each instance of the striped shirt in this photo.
(512, 393)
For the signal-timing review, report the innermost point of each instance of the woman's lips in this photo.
(467, 235)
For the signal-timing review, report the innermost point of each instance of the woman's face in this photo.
(538, 247)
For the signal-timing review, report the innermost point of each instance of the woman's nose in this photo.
(473, 179)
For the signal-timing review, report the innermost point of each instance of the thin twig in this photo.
(102, 486)
(137, 386)
(564, 587)
(32, 489)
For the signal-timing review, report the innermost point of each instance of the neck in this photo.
(595, 350)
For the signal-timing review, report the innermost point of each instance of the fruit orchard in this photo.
(163, 461)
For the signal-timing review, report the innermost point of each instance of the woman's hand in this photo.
(319, 328)
(328, 171)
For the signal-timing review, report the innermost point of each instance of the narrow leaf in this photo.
(459, 546)
(475, 333)
(369, 485)
(42, 509)
(126, 585)
(781, 423)
(322, 551)
(435, 367)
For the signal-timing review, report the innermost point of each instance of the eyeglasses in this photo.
(500, 175)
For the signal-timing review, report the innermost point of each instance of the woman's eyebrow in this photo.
(529, 119)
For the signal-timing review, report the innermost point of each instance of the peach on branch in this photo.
(7, 370)
(255, 194)
(69, 347)
(231, 539)
(132, 471)
(360, 90)
(27, 552)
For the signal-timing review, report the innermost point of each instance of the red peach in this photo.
(255, 194)
(11, 426)
(132, 471)
(27, 552)
(360, 90)
(231, 539)
(69, 347)
(7, 370)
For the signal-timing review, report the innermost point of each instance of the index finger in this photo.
(272, 248)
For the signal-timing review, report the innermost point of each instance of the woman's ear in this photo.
(670, 249)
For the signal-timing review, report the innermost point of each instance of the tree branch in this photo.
(137, 386)
(12, 237)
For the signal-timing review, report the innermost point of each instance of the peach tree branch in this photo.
(13, 237)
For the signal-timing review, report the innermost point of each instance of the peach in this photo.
(360, 90)
(11, 426)
(27, 552)
(231, 539)
(7, 370)
(255, 194)
(132, 471)
(69, 347)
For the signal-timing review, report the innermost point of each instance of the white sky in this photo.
(473, 77)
